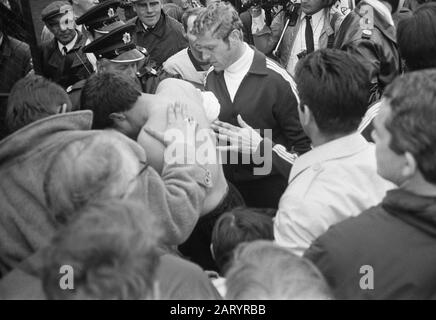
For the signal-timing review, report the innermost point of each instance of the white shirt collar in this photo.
(382, 9)
(70, 45)
(316, 17)
(1, 39)
(239, 64)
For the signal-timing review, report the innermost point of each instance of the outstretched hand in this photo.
(243, 139)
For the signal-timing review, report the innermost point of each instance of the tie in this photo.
(310, 47)
(65, 50)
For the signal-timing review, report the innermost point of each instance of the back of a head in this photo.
(416, 36)
(263, 270)
(105, 93)
(109, 251)
(412, 121)
(237, 226)
(334, 85)
(32, 98)
(218, 18)
(96, 167)
(189, 13)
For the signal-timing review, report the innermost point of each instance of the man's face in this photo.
(196, 52)
(136, 118)
(311, 6)
(219, 53)
(389, 163)
(128, 69)
(62, 31)
(148, 11)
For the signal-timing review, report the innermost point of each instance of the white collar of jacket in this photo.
(339, 148)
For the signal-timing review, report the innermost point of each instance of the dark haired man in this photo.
(416, 36)
(32, 98)
(389, 251)
(338, 177)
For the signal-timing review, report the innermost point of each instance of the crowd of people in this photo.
(219, 150)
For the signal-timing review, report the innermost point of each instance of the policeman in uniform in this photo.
(369, 32)
(97, 21)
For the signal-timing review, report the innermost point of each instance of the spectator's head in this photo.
(188, 19)
(109, 251)
(148, 11)
(58, 16)
(416, 37)
(218, 32)
(101, 166)
(115, 102)
(33, 98)
(333, 87)
(263, 270)
(404, 131)
(237, 226)
(310, 7)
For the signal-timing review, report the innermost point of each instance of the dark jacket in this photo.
(377, 46)
(65, 70)
(396, 238)
(15, 63)
(161, 42)
(265, 100)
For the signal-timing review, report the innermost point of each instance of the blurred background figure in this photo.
(261, 270)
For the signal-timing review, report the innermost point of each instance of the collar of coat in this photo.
(158, 30)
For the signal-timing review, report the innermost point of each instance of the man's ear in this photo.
(116, 116)
(305, 115)
(236, 35)
(410, 166)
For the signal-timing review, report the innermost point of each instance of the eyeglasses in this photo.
(143, 167)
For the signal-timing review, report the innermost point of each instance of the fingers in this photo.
(157, 135)
(219, 124)
(228, 148)
(242, 123)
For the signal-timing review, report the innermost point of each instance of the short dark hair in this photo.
(111, 247)
(32, 98)
(416, 36)
(105, 93)
(239, 225)
(412, 122)
(335, 86)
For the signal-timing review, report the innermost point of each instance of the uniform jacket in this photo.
(65, 70)
(328, 184)
(25, 223)
(396, 239)
(161, 42)
(377, 46)
(266, 99)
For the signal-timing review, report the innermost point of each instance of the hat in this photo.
(99, 17)
(57, 8)
(117, 46)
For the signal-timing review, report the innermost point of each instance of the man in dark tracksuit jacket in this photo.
(266, 99)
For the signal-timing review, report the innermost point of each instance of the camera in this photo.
(291, 9)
